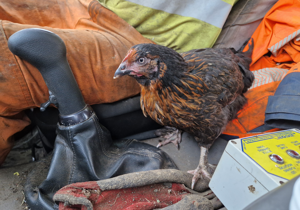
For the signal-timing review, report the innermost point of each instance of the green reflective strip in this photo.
(199, 9)
(171, 30)
(231, 2)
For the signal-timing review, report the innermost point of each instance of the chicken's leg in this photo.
(204, 169)
(170, 135)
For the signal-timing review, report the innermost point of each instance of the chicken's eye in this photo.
(141, 60)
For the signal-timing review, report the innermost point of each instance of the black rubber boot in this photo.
(83, 148)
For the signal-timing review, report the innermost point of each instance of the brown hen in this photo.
(198, 91)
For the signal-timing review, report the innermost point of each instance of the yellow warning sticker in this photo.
(260, 148)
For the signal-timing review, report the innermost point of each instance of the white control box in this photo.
(250, 167)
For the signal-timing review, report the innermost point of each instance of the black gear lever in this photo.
(47, 52)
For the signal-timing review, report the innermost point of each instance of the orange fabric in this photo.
(96, 41)
(282, 20)
(253, 113)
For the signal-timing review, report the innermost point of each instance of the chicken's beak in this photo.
(121, 71)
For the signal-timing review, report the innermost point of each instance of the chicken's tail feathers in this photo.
(244, 63)
(250, 43)
(248, 77)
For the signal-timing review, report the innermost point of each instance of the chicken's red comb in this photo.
(127, 56)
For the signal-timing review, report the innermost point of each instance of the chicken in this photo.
(197, 91)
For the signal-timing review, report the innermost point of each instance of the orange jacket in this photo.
(275, 54)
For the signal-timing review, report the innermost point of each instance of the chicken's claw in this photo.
(204, 169)
(199, 173)
(194, 180)
(170, 135)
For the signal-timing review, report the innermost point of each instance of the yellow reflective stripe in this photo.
(172, 30)
(231, 2)
(213, 12)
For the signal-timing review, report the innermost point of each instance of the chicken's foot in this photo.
(204, 169)
(170, 135)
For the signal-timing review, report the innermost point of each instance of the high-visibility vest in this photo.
(180, 25)
(276, 57)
